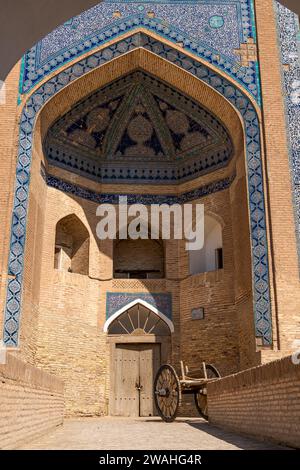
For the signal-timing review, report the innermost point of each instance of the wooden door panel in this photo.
(149, 364)
(126, 373)
(134, 364)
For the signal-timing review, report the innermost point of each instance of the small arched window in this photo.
(210, 257)
(139, 319)
(72, 246)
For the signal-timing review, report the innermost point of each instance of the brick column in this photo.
(283, 250)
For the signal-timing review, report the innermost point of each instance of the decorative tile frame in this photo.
(191, 23)
(116, 300)
(231, 92)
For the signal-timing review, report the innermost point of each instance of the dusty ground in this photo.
(143, 434)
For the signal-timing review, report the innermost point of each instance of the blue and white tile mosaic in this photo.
(210, 29)
(233, 94)
(289, 37)
(116, 300)
(146, 199)
(139, 129)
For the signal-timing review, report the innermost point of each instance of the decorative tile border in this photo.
(261, 289)
(210, 29)
(146, 199)
(289, 39)
(116, 300)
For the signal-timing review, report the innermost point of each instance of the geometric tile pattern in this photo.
(146, 199)
(232, 93)
(212, 30)
(289, 37)
(138, 128)
(116, 300)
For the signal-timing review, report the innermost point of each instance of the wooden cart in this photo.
(169, 388)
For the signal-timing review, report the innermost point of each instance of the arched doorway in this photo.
(210, 257)
(139, 337)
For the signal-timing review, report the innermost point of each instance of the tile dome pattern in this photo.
(138, 122)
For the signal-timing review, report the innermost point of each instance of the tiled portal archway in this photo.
(229, 90)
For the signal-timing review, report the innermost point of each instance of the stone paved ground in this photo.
(143, 434)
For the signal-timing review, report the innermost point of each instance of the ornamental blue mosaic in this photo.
(216, 21)
(146, 199)
(212, 30)
(116, 300)
(138, 128)
(288, 28)
(243, 105)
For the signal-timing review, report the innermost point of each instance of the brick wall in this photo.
(72, 308)
(31, 402)
(215, 338)
(139, 255)
(263, 402)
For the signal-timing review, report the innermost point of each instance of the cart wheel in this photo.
(167, 393)
(201, 395)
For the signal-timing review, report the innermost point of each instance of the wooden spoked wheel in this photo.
(201, 395)
(167, 393)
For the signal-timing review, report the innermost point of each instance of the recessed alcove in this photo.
(71, 246)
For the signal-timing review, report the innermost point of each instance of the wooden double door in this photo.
(134, 367)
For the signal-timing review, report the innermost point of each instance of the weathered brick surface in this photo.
(262, 402)
(72, 308)
(31, 402)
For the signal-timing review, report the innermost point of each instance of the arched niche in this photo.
(210, 257)
(71, 246)
(139, 259)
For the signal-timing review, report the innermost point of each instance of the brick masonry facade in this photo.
(32, 402)
(63, 313)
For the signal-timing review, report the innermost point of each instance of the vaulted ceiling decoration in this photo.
(138, 128)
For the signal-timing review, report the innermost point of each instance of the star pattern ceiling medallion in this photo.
(140, 126)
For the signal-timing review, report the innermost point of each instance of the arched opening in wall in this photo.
(139, 259)
(210, 257)
(72, 246)
(139, 320)
(140, 342)
(68, 98)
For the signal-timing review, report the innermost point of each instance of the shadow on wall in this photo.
(242, 442)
